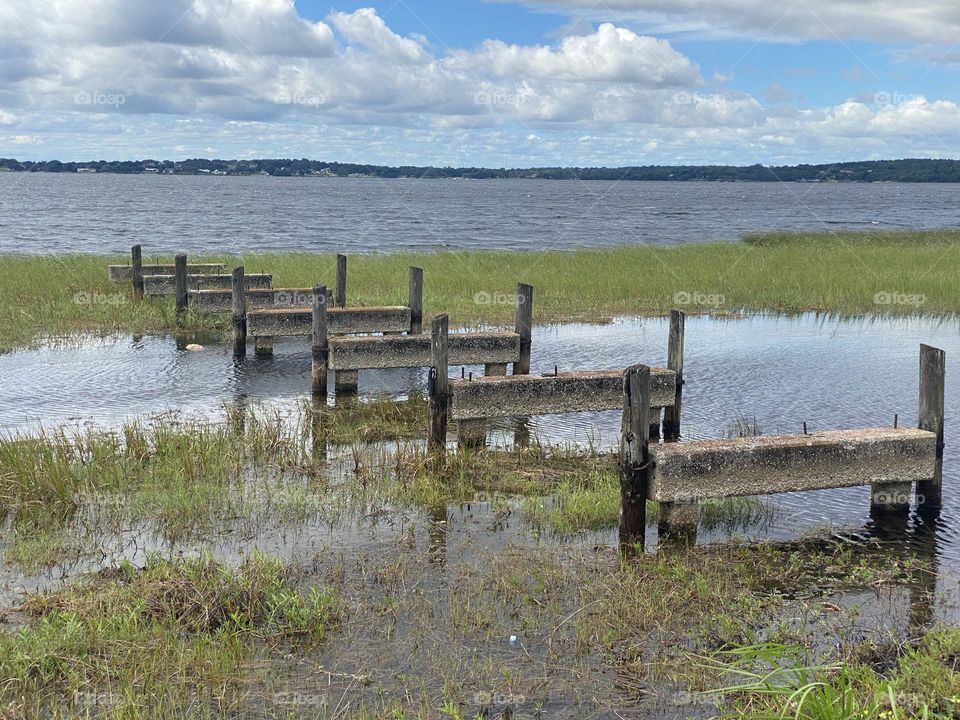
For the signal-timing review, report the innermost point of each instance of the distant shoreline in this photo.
(904, 171)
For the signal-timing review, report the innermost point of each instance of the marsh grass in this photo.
(156, 641)
(64, 488)
(47, 297)
(590, 500)
(370, 421)
(771, 680)
(203, 635)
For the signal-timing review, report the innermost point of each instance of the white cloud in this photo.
(611, 54)
(936, 21)
(367, 28)
(188, 77)
(270, 27)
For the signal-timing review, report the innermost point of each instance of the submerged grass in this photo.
(772, 681)
(591, 501)
(857, 273)
(183, 478)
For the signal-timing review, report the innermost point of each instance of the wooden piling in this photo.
(415, 300)
(678, 520)
(320, 350)
(136, 272)
(239, 311)
(634, 456)
(933, 364)
(341, 296)
(180, 283)
(524, 327)
(439, 383)
(671, 416)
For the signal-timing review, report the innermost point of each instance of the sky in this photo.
(494, 83)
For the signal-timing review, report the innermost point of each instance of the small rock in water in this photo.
(193, 347)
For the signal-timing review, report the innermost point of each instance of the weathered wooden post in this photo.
(180, 284)
(634, 456)
(239, 310)
(524, 327)
(671, 415)
(890, 500)
(415, 300)
(439, 384)
(136, 271)
(933, 365)
(320, 350)
(341, 297)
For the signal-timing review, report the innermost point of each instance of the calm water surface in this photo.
(778, 371)
(45, 212)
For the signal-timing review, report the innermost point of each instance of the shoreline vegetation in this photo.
(905, 170)
(858, 274)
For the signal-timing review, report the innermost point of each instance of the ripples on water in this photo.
(779, 372)
(44, 212)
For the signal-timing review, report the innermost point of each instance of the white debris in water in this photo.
(193, 347)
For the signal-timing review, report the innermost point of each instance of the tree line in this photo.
(916, 170)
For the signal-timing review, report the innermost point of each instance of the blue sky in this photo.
(504, 82)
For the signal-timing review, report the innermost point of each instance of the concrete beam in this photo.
(785, 463)
(257, 299)
(158, 285)
(522, 395)
(124, 273)
(340, 321)
(413, 351)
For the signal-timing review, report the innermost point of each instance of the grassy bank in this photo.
(895, 273)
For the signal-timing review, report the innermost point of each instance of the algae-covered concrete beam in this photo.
(257, 299)
(124, 273)
(522, 395)
(341, 321)
(785, 463)
(414, 351)
(156, 285)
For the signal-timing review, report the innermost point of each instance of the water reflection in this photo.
(777, 372)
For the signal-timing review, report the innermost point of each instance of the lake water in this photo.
(44, 213)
